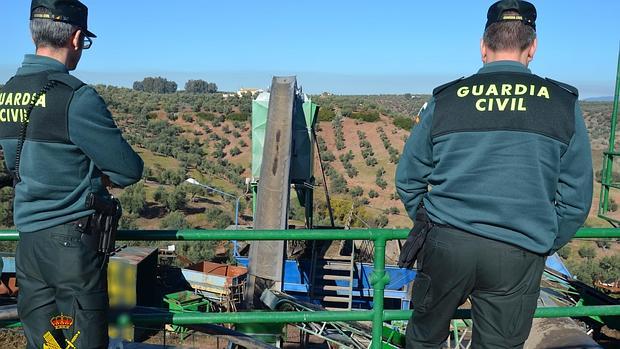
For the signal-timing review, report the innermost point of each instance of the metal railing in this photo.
(377, 315)
(607, 175)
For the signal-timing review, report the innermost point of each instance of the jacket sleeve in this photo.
(574, 189)
(416, 162)
(93, 130)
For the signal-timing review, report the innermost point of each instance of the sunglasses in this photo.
(86, 42)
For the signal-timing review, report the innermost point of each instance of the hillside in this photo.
(208, 137)
(360, 138)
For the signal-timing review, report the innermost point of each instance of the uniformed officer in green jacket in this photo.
(62, 151)
(507, 157)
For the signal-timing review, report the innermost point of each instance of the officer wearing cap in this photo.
(62, 146)
(507, 155)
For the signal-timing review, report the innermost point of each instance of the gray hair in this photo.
(50, 33)
(509, 35)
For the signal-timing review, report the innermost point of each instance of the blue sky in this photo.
(345, 47)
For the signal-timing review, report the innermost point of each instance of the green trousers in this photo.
(58, 275)
(502, 282)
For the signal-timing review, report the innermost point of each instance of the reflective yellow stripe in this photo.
(48, 16)
(512, 18)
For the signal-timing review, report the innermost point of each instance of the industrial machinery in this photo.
(283, 140)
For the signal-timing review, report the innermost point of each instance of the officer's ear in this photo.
(76, 40)
(483, 51)
(531, 51)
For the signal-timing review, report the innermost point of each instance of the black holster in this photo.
(100, 231)
(415, 241)
(5, 180)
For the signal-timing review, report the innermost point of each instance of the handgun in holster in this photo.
(100, 234)
(410, 251)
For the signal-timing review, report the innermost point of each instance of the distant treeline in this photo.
(163, 85)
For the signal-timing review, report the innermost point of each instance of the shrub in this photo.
(159, 194)
(380, 172)
(206, 116)
(352, 171)
(565, 252)
(403, 122)
(373, 194)
(174, 220)
(340, 144)
(176, 199)
(366, 152)
(368, 116)
(197, 251)
(611, 267)
(587, 252)
(381, 183)
(235, 151)
(128, 222)
(133, 198)
(218, 218)
(381, 221)
(327, 156)
(326, 114)
(238, 116)
(392, 210)
(356, 191)
(371, 161)
(604, 244)
(218, 154)
(338, 183)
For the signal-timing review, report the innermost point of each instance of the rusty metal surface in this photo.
(266, 266)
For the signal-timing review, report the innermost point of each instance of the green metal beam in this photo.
(608, 156)
(597, 233)
(252, 317)
(198, 235)
(378, 280)
(546, 312)
(298, 234)
(331, 316)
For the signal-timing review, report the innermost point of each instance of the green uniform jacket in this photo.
(57, 177)
(512, 183)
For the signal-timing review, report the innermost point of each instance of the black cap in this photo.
(527, 12)
(68, 11)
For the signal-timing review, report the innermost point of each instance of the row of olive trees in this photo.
(394, 154)
(163, 85)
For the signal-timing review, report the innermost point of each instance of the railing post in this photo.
(608, 159)
(378, 280)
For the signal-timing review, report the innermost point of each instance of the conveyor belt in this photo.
(266, 266)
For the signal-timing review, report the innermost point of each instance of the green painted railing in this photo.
(378, 280)
(607, 173)
(300, 234)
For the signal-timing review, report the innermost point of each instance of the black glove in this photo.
(410, 251)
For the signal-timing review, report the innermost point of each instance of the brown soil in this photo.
(366, 176)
